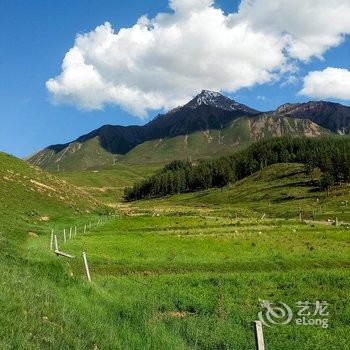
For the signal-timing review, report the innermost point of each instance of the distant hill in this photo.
(209, 125)
(328, 155)
(279, 190)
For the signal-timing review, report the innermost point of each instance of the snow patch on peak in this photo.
(217, 100)
(208, 93)
(211, 98)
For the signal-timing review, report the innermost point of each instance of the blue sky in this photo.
(35, 36)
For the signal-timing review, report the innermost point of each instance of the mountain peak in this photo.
(209, 94)
(217, 100)
(210, 98)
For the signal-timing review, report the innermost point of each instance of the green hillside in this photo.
(328, 155)
(32, 298)
(31, 197)
(86, 155)
(280, 190)
(194, 146)
(213, 143)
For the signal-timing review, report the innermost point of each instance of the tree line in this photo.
(331, 155)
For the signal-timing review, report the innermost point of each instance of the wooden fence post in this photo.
(51, 240)
(58, 253)
(70, 233)
(86, 267)
(75, 231)
(84, 229)
(56, 243)
(259, 336)
(64, 236)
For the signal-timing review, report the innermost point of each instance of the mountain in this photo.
(209, 125)
(208, 110)
(332, 116)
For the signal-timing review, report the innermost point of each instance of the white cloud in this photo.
(161, 62)
(329, 83)
(309, 27)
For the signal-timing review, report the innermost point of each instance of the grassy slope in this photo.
(192, 277)
(85, 155)
(33, 290)
(31, 196)
(196, 145)
(239, 133)
(108, 184)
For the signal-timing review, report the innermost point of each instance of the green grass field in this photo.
(184, 272)
(195, 282)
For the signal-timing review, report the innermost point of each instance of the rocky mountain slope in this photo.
(332, 116)
(217, 142)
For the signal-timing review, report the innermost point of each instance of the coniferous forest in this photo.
(331, 155)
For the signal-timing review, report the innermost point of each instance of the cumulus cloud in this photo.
(329, 83)
(308, 27)
(160, 63)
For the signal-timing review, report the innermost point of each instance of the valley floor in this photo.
(195, 282)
